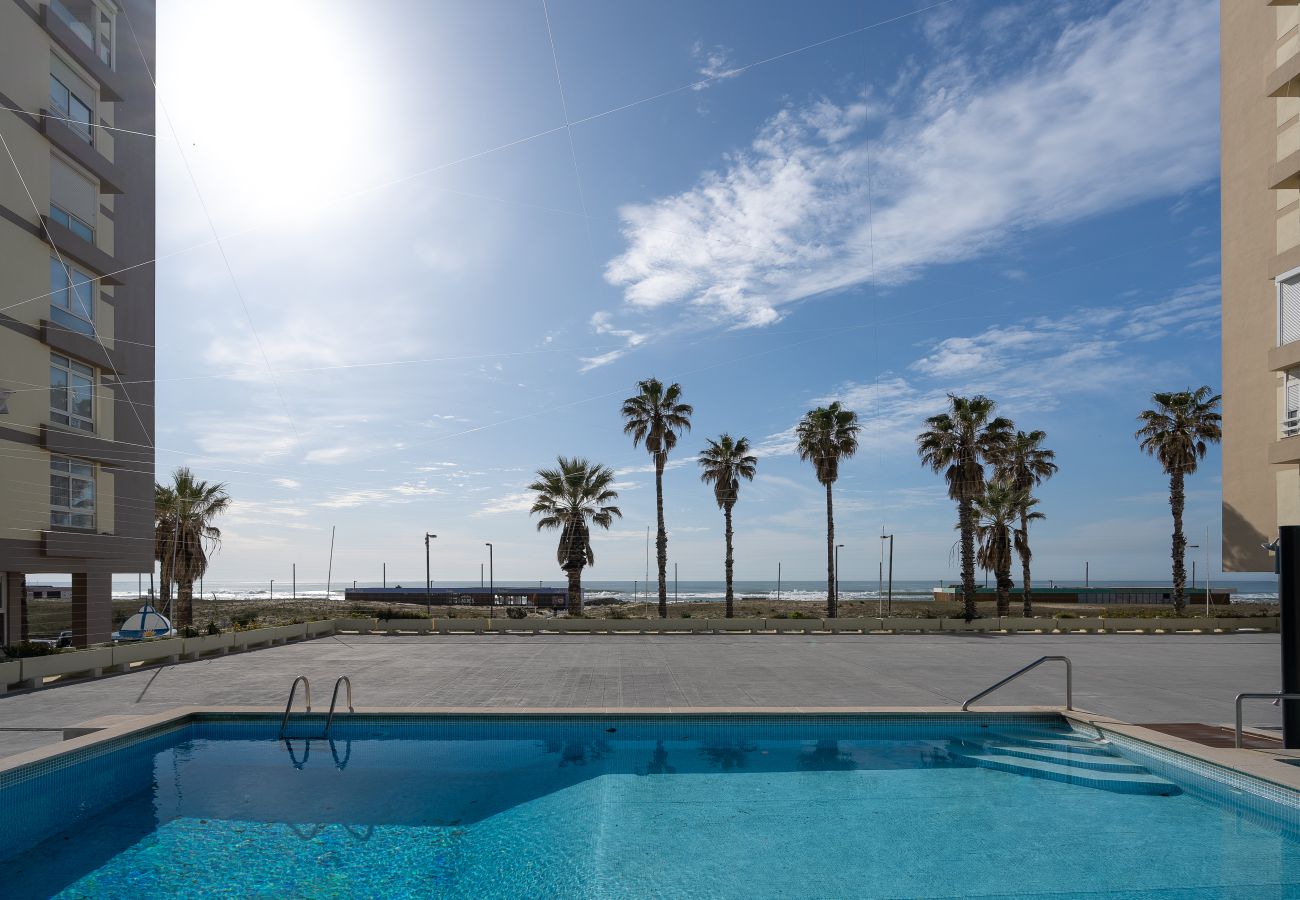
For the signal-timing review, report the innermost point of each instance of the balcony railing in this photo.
(1291, 425)
(81, 29)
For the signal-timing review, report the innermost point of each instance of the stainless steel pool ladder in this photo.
(334, 699)
(1069, 681)
(1276, 697)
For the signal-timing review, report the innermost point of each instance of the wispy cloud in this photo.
(966, 162)
(715, 64)
(602, 323)
(406, 492)
(510, 503)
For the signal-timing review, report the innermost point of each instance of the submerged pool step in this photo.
(1068, 743)
(1119, 782)
(1071, 757)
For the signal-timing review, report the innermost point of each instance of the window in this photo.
(72, 223)
(1288, 310)
(72, 298)
(1291, 410)
(72, 492)
(73, 198)
(72, 393)
(93, 21)
(75, 111)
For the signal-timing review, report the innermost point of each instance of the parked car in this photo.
(63, 640)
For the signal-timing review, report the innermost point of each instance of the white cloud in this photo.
(397, 494)
(510, 503)
(601, 323)
(287, 483)
(1121, 108)
(715, 64)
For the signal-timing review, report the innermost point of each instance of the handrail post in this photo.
(293, 690)
(1069, 681)
(1278, 695)
(334, 699)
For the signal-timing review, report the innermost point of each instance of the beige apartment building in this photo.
(76, 302)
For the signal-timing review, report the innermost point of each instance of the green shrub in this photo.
(27, 649)
(515, 612)
(189, 631)
(392, 613)
(213, 627)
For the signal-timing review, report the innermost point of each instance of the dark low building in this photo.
(535, 597)
(1099, 596)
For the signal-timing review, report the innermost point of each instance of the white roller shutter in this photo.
(72, 191)
(1288, 296)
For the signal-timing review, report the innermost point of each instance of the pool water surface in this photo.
(945, 806)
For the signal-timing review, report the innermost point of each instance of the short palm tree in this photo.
(184, 535)
(998, 512)
(1024, 465)
(572, 497)
(1177, 432)
(723, 463)
(656, 416)
(825, 436)
(958, 443)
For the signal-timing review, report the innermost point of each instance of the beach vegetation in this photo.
(1177, 431)
(656, 416)
(1024, 465)
(958, 443)
(570, 498)
(826, 435)
(723, 463)
(185, 536)
(999, 512)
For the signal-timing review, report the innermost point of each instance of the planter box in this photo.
(360, 626)
(782, 626)
(531, 625)
(320, 628)
(81, 662)
(669, 626)
(840, 626)
(1021, 623)
(735, 624)
(974, 625)
(460, 626)
(395, 626)
(578, 626)
(207, 643)
(1087, 624)
(901, 624)
(10, 673)
(148, 651)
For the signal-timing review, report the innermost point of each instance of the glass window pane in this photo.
(60, 491)
(60, 216)
(60, 518)
(85, 470)
(58, 389)
(58, 96)
(71, 322)
(83, 521)
(81, 229)
(58, 284)
(82, 400)
(83, 370)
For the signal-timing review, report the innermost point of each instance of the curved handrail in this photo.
(1280, 695)
(284, 720)
(334, 699)
(1069, 681)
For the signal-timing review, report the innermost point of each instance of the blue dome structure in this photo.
(147, 623)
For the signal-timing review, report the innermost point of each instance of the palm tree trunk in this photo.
(966, 521)
(1024, 569)
(185, 603)
(1177, 499)
(661, 539)
(726, 512)
(1003, 575)
(832, 600)
(575, 591)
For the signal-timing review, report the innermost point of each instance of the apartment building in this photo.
(76, 302)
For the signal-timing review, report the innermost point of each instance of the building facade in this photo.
(1260, 117)
(76, 302)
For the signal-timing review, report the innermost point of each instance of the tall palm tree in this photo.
(569, 497)
(723, 463)
(656, 415)
(997, 514)
(1176, 432)
(825, 436)
(958, 443)
(164, 533)
(184, 535)
(1024, 465)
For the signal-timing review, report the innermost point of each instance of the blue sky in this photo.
(450, 239)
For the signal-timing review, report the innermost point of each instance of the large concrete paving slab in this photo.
(1137, 678)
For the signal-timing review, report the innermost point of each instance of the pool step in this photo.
(1063, 742)
(1070, 757)
(1119, 782)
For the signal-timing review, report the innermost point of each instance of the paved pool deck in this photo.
(1135, 678)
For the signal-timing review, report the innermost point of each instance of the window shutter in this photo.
(73, 192)
(1289, 313)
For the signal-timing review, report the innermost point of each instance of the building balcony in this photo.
(1286, 450)
(1285, 173)
(80, 347)
(72, 245)
(75, 147)
(76, 39)
(1284, 358)
(81, 445)
(77, 544)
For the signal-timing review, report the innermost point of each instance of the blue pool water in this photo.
(944, 806)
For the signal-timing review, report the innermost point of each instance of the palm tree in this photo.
(1024, 465)
(996, 515)
(826, 435)
(656, 415)
(958, 443)
(1177, 432)
(724, 462)
(184, 535)
(569, 497)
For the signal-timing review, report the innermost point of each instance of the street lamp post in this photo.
(890, 607)
(492, 588)
(1193, 590)
(428, 577)
(272, 589)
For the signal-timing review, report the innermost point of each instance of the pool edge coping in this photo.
(1260, 764)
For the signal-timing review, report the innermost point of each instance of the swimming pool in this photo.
(642, 806)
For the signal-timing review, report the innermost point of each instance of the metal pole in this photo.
(1207, 571)
(492, 586)
(480, 576)
(295, 581)
(330, 572)
(890, 608)
(1086, 574)
(778, 582)
(674, 582)
(428, 577)
(1288, 551)
(385, 575)
(272, 589)
(837, 575)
